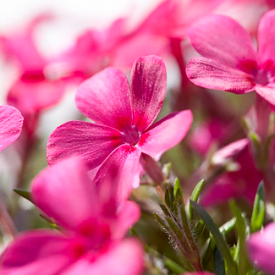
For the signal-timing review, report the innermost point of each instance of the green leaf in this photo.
(258, 213)
(242, 233)
(194, 196)
(23, 193)
(219, 239)
(176, 186)
(228, 226)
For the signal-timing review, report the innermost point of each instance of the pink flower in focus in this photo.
(242, 182)
(11, 122)
(230, 62)
(261, 249)
(93, 224)
(122, 130)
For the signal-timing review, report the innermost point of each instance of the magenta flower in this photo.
(261, 247)
(122, 130)
(230, 62)
(242, 182)
(93, 224)
(11, 122)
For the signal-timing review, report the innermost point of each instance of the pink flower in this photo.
(230, 62)
(11, 122)
(261, 248)
(123, 130)
(241, 182)
(93, 224)
(34, 89)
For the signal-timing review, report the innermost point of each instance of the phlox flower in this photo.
(240, 182)
(11, 122)
(92, 221)
(122, 131)
(261, 247)
(229, 61)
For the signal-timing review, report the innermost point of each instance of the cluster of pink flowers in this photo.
(89, 193)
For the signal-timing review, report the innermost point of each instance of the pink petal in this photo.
(230, 151)
(11, 122)
(123, 258)
(91, 141)
(37, 252)
(122, 167)
(64, 192)
(266, 34)
(261, 247)
(127, 216)
(105, 98)
(34, 95)
(222, 39)
(267, 93)
(148, 83)
(166, 133)
(212, 75)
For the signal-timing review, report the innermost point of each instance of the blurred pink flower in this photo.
(11, 122)
(123, 130)
(93, 224)
(261, 248)
(241, 182)
(35, 88)
(230, 62)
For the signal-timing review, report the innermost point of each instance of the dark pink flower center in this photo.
(131, 135)
(263, 77)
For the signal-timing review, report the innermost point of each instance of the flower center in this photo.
(263, 77)
(131, 135)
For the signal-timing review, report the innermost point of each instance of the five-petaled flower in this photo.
(230, 62)
(122, 131)
(93, 223)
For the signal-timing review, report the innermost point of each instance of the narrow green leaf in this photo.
(164, 209)
(219, 262)
(242, 233)
(194, 196)
(168, 196)
(176, 186)
(228, 226)
(258, 213)
(23, 193)
(219, 239)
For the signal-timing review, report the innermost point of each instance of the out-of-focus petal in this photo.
(222, 39)
(266, 34)
(267, 92)
(65, 193)
(166, 133)
(118, 174)
(11, 122)
(128, 215)
(148, 84)
(37, 252)
(209, 74)
(123, 258)
(31, 96)
(105, 98)
(261, 247)
(91, 141)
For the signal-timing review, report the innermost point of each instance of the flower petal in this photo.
(212, 75)
(261, 246)
(266, 34)
(64, 192)
(34, 95)
(92, 142)
(11, 122)
(267, 93)
(105, 98)
(42, 251)
(222, 39)
(127, 216)
(165, 134)
(148, 84)
(123, 258)
(122, 169)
